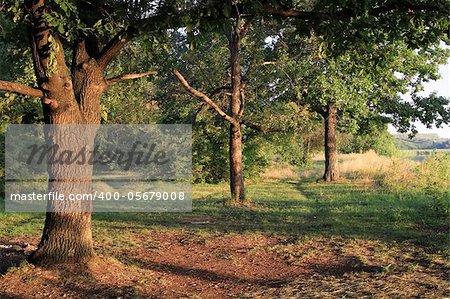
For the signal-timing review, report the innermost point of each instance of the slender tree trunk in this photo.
(237, 104)
(237, 186)
(331, 168)
(236, 166)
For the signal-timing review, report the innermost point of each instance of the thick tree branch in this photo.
(80, 54)
(129, 77)
(292, 13)
(21, 89)
(113, 47)
(205, 98)
(84, 49)
(52, 73)
(319, 110)
(403, 5)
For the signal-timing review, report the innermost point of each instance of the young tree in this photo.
(365, 89)
(211, 137)
(237, 105)
(351, 88)
(345, 25)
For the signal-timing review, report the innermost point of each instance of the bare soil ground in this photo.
(190, 264)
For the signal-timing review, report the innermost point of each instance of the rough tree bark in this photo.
(68, 97)
(237, 186)
(237, 105)
(67, 235)
(331, 168)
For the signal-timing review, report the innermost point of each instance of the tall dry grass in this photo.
(280, 171)
(429, 179)
(369, 165)
(396, 174)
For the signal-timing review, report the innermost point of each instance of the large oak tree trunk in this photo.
(69, 98)
(66, 238)
(331, 168)
(237, 186)
(67, 234)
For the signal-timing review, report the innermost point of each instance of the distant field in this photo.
(420, 155)
(421, 141)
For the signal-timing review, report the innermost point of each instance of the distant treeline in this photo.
(422, 141)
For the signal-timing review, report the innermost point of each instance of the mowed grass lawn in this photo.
(297, 238)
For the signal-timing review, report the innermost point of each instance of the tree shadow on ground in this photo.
(209, 275)
(12, 254)
(7, 296)
(92, 288)
(201, 274)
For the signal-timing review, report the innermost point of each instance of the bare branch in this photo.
(269, 63)
(112, 49)
(243, 91)
(129, 77)
(21, 89)
(205, 98)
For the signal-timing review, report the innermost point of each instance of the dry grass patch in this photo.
(280, 172)
(368, 165)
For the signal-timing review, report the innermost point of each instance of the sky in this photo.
(442, 86)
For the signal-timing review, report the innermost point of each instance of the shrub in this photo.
(429, 179)
(433, 177)
(380, 141)
(399, 177)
